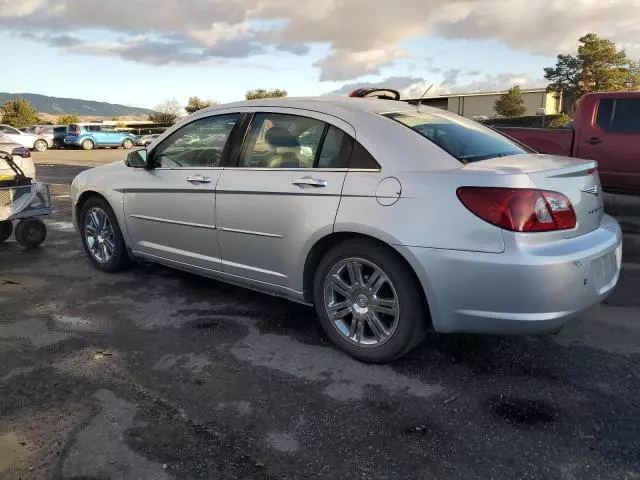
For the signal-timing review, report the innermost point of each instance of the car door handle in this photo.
(199, 179)
(594, 140)
(309, 182)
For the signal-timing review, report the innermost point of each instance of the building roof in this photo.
(477, 94)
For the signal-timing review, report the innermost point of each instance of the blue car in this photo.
(90, 135)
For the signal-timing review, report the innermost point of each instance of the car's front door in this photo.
(170, 212)
(283, 192)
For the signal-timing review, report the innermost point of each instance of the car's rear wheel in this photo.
(127, 144)
(87, 144)
(57, 143)
(40, 146)
(101, 236)
(369, 302)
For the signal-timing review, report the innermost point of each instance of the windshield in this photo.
(464, 139)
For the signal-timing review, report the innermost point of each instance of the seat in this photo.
(284, 149)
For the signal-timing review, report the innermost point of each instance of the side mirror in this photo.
(21, 152)
(137, 159)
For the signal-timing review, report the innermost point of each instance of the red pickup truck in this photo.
(606, 128)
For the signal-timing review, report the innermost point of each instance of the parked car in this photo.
(31, 141)
(145, 140)
(605, 128)
(21, 157)
(391, 222)
(91, 135)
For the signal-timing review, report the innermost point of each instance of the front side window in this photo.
(619, 115)
(277, 140)
(200, 144)
(463, 139)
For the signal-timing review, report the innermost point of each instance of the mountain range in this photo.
(60, 106)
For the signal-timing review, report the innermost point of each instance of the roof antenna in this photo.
(423, 95)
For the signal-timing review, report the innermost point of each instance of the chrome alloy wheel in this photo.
(361, 302)
(99, 235)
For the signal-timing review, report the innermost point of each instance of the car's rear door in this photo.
(170, 213)
(613, 139)
(281, 195)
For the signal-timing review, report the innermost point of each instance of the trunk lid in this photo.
(578, 180)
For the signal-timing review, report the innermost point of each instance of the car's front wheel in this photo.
(87, 144)
(127, 144)
(369, 302)
(101, 236)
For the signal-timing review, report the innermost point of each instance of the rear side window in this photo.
(619, 115)
(463, 139)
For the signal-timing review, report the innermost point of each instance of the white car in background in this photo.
(31, 141)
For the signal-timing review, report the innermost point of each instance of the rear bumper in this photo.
(529, 290)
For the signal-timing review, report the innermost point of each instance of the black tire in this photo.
(127, 144)
(413, 317)
(30, 232)
(6, 229)
(87, 144)
(120, 258)
(57, 144)
(40, 146)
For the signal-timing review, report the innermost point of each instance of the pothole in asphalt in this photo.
(523, 411)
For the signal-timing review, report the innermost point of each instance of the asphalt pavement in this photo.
(156, 374)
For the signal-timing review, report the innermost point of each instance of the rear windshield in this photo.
(464, 139)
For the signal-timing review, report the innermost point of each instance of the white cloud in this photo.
(362, 35)
(17, 8)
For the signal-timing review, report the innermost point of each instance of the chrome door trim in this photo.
(250, 232)
(174, 222)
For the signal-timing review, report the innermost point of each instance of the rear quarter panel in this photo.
(428, 212)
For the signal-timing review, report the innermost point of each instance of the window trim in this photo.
(225, 152)
(242, 145)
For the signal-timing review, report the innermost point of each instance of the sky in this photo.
(141, 52)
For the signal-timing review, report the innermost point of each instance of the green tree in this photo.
(167, 112)
(196, 104)
(511, 103)
(19, 113)
(67, 119)
(598, 67)
(262, 93)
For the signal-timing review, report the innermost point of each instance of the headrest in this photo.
(281, 137)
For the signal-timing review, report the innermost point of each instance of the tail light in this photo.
(519, 209)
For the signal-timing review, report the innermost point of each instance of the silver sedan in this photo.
(389, 220)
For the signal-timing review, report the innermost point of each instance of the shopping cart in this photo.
(22, 201)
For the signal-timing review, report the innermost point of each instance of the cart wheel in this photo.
(31, 232)
(6, 229)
